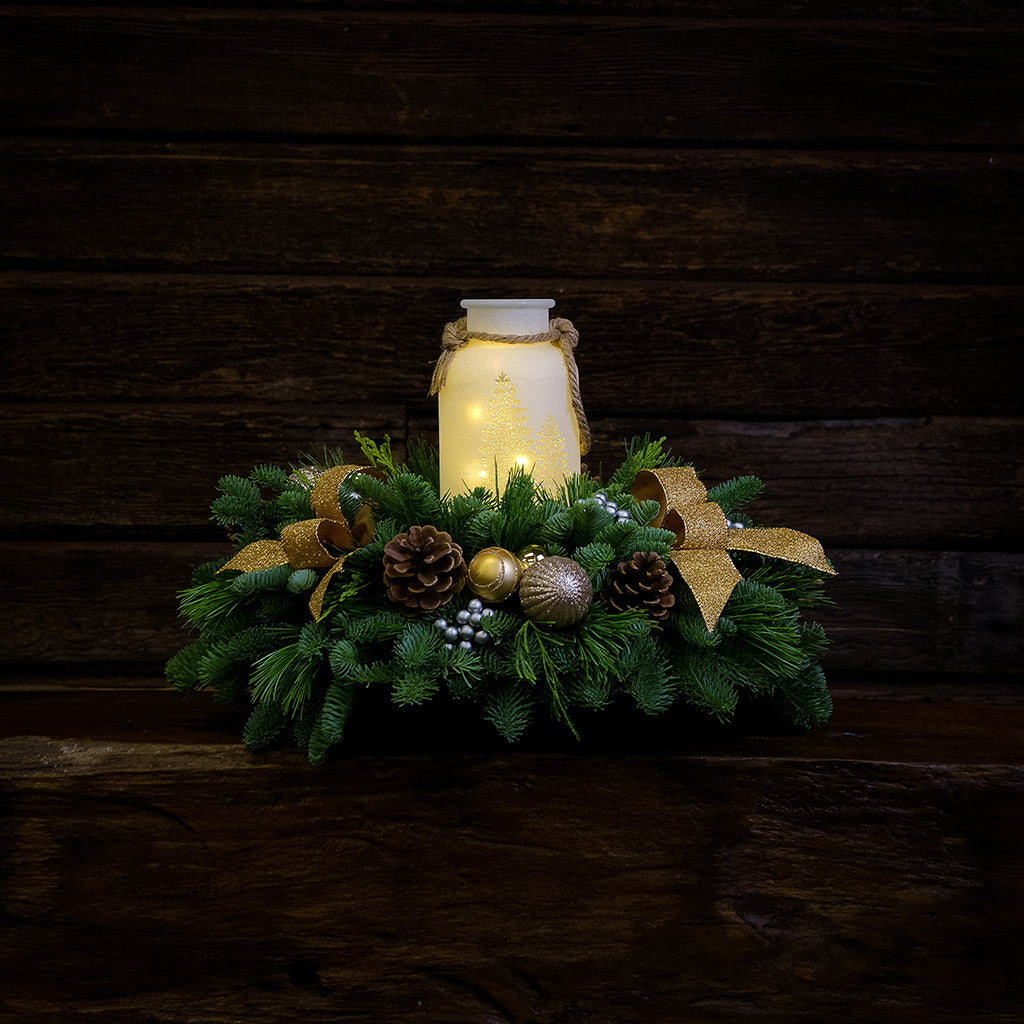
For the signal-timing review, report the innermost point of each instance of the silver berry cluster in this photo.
(620, 515)
(733, 525)
(466, 629)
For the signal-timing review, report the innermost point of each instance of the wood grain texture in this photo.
(108, 465)
(710, 885)
(945, 612)
(729, 349)
(990, 13)
(478, 212)
(401, 76)
(789, 235)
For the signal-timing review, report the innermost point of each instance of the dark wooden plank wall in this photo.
(790, 236)
(232, 234)
(793, 246)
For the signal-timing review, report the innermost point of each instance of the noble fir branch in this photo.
(467, 517)
(588, 520)
(404, 497)
(292, 506)
(464, 673)
(226, 665)
(798, 583)
(519, 512)
(705, 682)
(380, 627)
(641, 453)
(424, 460)
(414, 686)
(265, 725)
(301, 580)
(805, 701)
(813, 640)
(329, 726)
(207, 572)
(736, 494)
(419, 655)
(644, 512)
(647, 676)
(269, 478)
(510, 710)
(182, 670)
(596, 559)
(248, 584)
(767, 625)
(241, 510)
(628, 538)
(593, 692)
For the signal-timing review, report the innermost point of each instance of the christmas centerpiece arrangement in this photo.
(529, 588)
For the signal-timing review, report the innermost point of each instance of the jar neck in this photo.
(507, 316)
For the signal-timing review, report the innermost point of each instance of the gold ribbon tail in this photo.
(781, 542)
(711, 577)
(260, 554)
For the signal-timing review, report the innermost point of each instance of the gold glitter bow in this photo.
(704, 536)
(304, 545)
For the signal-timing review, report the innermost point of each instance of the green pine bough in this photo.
(256, 641)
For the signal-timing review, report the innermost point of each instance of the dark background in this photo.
(793, 247)
(790, 236)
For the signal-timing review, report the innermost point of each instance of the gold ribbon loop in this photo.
(304, 545)
(703, 538)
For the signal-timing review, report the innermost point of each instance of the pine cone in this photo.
(423, 569)
(642, 582)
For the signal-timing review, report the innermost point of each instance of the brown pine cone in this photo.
(642, 582)
(423, 569)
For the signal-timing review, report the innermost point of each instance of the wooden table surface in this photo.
(869, 871)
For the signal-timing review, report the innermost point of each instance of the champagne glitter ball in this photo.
(555, 590)
(494, 574)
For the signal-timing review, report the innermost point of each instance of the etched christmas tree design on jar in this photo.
(507, 441)
(508, 397)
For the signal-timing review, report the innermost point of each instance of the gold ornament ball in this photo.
(532, 554)
(556, 591)
(494, 574)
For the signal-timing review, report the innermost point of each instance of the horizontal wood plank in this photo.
(478, 213)
(388, 75)
(898, 611)
(150, 469)
(972, 12)
(129, 455)
(735, 349)
(764, 880)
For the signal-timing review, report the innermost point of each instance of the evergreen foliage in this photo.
(255, 638)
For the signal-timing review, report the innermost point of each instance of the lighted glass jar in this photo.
(507, 404)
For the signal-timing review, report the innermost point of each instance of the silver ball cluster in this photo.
(466, 629)
(733, 525)
(620, 515)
